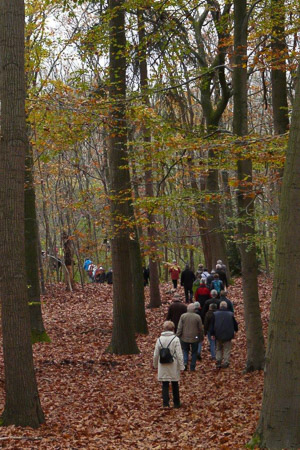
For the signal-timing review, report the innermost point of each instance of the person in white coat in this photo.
(170, 371)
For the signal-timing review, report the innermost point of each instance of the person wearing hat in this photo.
(174, 272)
(176, 309)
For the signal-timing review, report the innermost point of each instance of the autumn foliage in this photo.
(93, 399)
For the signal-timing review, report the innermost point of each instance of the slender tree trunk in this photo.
(202, 223)
(38, 333)
(279, 419)
(68, 260)
(137, 269)
(254, 333)
(216, 233)
(123, 336)
(22, 404)
(41, 269)
(155, 300)
(138, 285)
(278, 72)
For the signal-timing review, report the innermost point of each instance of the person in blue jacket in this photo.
(86, 264)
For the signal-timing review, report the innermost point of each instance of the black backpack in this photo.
(165, 355)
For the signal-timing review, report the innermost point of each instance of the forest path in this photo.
(95, 400)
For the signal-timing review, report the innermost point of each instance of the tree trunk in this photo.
(202, 223)
(38, 333)
(279, 419)
(123, 335)
(254, 333)
(278, 72)
(155, 300)
(68, 260)
(138, 286)
(22, 404)
(216, 234)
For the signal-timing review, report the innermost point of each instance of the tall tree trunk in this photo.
(279, 419)
(155, 300)
(216, 233)
(38, 333)
(22, 404)
(123, 336)
(278, 72)
(254, 333)
(202, 223)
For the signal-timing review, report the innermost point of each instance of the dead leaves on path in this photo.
(95, 400)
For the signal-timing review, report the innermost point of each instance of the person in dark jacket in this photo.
(214, 300)
(198, 311)
(175, 311)
(146, 275)
(207, 323)
(223, 326)
(109, 277)
(100, 275)
(223, 298)
(187, 279)
(209, 279)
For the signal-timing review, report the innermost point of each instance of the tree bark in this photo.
(22, 404)
(68, 260)
(38, 332)
(278, 72)
(138, 285)
(245, 200)
(155, 300)
(216, 234)
(279, 419)
(123, 335)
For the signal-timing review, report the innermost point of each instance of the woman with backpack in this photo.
(168, 359)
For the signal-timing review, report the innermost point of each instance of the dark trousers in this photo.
(175, 283)
(188, 292)
(165, 393)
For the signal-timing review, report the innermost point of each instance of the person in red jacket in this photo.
(202, 293)
(174, 272)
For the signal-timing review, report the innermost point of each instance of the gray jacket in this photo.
(190, 328)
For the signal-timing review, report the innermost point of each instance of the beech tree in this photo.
(278, 72)
(155, 300)
(123, 336)
(38, 332)
(279, 419)
(22, 404)
(254, 333)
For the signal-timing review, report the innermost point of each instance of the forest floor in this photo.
(95, 400)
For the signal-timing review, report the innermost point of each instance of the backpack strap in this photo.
(171, 341)
(168, 343)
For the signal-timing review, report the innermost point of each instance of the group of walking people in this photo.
(187, 324)
(96, 273)
(215, 279)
